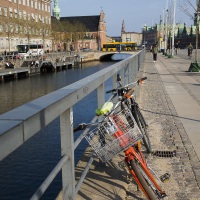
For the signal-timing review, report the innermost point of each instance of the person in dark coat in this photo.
(155, 52)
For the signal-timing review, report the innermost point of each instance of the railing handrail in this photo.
(35, 115)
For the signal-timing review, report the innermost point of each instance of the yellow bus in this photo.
(119, 46)
(111, 46)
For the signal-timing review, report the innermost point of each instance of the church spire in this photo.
(123, 27)
(56, 10)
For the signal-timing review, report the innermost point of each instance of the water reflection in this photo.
(18, 92)
(24, 170)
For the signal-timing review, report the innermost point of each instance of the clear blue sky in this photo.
(134, 12)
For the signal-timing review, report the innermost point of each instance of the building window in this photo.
(1, 29)
(24, 15)
(20, 14)
(19, 2)
(0, 11)
(16, 29)
(35, 4)
(1, 44)
(27, 3)
(29, 16)
(36, 18)
(15, 1)
(10, 11)
(15, 13)
(31, 4)
(42, 7)
(5, 12)
(24, 2)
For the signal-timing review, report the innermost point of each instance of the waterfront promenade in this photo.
(170, 102)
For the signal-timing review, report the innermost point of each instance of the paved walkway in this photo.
(170, 102)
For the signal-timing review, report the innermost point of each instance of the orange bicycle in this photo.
(118, 132)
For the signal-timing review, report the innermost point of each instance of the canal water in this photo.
(22, 172)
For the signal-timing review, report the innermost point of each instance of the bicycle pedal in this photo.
(165, 177)
(163, 195)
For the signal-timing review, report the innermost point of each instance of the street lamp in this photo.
(173, 27)
(144, 35)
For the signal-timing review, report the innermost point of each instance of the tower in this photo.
(101, 30)
(56, 10)
(123, 27)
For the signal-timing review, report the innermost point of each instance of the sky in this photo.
(135, 13)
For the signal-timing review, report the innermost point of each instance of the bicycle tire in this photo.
(148, 190)
(141, 124)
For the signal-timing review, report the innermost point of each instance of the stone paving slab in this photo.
(166, 131)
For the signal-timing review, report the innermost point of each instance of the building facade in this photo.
(162, 35)
(130, 36)
(24, 21)
(80, 32)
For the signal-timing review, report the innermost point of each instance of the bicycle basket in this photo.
(116, 133)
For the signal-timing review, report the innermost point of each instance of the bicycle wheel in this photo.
(141, 124)
(147, 189)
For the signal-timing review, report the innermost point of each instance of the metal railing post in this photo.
(122, 75)
(67, 142)
(100, 95)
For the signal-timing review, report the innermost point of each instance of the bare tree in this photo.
(8, 23)
(73, 32)
(57, 31)
(44, 30)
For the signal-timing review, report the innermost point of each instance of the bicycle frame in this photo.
(132, 154)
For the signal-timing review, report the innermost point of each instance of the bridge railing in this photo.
(18, 128)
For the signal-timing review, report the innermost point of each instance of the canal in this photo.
(22, 172)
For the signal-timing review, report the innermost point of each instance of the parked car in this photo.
(86, 49)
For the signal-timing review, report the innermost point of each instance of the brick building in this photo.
(80, 32)
(24, 20)
(130, 36)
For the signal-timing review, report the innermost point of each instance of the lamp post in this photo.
(173, 27)
(197, 30)
(144, 35)
(195, 67)
(166, 28)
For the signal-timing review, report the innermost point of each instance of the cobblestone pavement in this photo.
(168, 134)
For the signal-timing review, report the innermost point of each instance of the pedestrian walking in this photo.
(190, 49)
(155, 52)
(176, 48)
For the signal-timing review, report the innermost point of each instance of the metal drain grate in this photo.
(165, 154)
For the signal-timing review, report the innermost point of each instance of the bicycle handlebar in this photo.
(80, 127)
(121, 87)
(83, 126)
